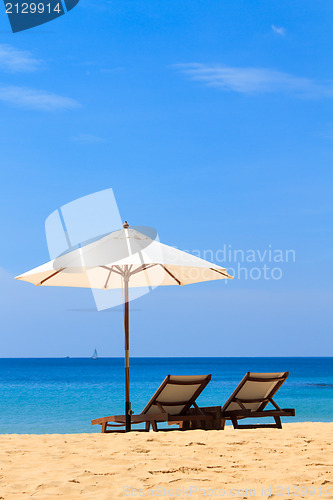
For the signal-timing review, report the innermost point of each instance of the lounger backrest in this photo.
(254, 391)
(176, 394)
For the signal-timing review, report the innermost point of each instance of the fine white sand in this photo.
(190, 464)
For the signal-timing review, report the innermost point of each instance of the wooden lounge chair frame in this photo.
(183, 419)
(243, 412)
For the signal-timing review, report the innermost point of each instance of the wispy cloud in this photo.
(279, 30)
(255, 80)
(40, 100)
(15, 60)
(88, 139)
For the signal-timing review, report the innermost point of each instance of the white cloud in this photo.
(88, 139)
(40, 100)
(255, 80)
(279, 30)
(15, 60)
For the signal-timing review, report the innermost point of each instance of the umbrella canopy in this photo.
(99, 264)
(123, 259)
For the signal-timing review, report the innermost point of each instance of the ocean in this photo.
(55, 395)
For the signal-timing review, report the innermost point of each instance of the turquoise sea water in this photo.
(63, 395)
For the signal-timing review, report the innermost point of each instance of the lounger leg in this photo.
(234, 422)
(278, 422)
(104, 426)
(147, 426)
(154, 426)
(222, 424)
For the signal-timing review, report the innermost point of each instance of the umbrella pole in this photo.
(126, 327)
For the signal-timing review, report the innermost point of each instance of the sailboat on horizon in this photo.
(95, 355)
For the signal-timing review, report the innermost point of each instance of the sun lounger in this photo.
(250, 398)
(170, 403)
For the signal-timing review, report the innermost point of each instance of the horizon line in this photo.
(167, 357)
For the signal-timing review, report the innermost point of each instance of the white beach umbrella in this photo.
(123, 259)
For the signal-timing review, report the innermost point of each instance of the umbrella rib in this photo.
(219, 272)
(170, 274)
(111, 269)
(138, 270)
(121, 272)
(51, 276)
(144, 267)
(107, 281)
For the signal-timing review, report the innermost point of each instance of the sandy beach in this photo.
(296, 461)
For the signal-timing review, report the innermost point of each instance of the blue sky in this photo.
(213, 123)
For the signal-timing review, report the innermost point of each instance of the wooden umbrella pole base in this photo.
(128, 417)
(126, 329)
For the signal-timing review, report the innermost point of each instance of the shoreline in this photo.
(252, 463)
(228, 425)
